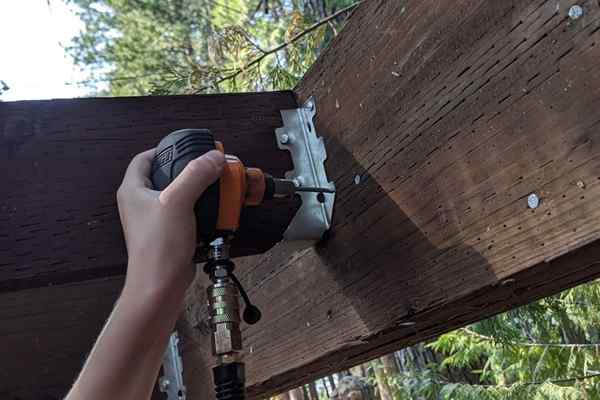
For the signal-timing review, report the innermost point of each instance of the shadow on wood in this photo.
(359, 289)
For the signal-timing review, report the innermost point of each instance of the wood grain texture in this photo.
(46, 333)
(450, 113)
(62, 161)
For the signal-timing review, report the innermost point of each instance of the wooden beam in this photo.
(62, 161)
(46, 333)
(440, 118)
(449, 112)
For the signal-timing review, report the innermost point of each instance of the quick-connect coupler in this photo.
(224, 317)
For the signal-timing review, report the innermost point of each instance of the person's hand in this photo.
(160, 227)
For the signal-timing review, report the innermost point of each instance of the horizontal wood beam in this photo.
(537, 282)
(440, 118)
(62, 162)
(46, 333)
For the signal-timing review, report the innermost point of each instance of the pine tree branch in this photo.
(236, 72)
(283, 45)
(440, 381)
(529, 344)
(531, 383)
(554, 382)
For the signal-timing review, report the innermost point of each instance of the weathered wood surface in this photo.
(62, 161)
(450, 113)
(46, 333)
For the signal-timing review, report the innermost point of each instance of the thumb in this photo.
(195, 178)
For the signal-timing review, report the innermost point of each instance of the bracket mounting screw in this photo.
(310, 104)
(576, 12)
(285, 138)
(164, 384)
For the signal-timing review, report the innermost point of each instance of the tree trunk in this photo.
(358, 370)
(331, 382)
(296, 394)
(326, 389)
(390, 366)
(312, 391)
(283, 396)
(385, 391)
(571, 332)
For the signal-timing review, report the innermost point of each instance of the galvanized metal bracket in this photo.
(171, 382)
(298, 135)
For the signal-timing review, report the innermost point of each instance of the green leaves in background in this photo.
(545, 350)
(138, 47)
(3, 87)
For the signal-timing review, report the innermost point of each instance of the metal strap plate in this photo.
(299, 137)
(171, 382)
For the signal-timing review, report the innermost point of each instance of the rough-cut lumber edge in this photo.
(450, 113)
(522, 288)
(62, 161)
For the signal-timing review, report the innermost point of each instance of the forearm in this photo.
(160, 233)
(126, 358)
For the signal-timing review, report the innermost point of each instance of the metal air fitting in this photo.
(224, 314)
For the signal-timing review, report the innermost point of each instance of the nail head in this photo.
(164, 383)
(533, 201)
(575, 12)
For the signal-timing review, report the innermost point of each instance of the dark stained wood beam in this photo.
(62, 161)
(46, 334)
(440, 118)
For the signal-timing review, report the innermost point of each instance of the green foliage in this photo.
(545, 350)
(416, 385)
(3, 87)
(545, 391)
(189, 46)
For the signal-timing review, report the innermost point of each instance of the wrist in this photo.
(157, 284)
(151, 301)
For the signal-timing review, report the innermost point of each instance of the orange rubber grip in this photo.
(255, 187)
(239, 186)
(232, 192)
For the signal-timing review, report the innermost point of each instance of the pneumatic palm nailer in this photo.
(218, 217)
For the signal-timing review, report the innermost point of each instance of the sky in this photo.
(33, 62)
